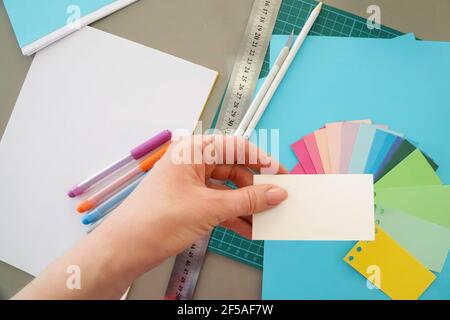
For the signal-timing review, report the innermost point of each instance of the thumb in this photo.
(249, 200)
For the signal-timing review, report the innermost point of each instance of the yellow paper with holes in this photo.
(390, 267)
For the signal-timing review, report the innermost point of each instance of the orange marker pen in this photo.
(105, 193)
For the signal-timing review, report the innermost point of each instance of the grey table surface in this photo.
(207, 32)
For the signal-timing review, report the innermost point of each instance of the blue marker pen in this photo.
(109, 205)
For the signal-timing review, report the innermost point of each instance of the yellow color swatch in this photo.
(390, 267)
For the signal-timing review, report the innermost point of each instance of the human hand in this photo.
(176, 204)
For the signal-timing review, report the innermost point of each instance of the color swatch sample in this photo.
(298, 169)
(396, 155)
(414, 170)
(313, 150)
(381, 145)
(334, 133)
(322, 146)
(319, 207)
(302, 154)
(361, 148)
(349, 134)
(335, 139)
(426, 241)
(390, 267)
(389, 149)
(431, 203)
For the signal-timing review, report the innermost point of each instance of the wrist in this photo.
(132, 250)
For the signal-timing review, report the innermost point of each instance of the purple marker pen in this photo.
(138, 152)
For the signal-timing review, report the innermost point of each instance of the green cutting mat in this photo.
(292, 15)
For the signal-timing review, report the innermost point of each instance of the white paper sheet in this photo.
(87, 101)
(319, 207)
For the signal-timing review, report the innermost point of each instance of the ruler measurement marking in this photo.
(237, 98)
(251, 56)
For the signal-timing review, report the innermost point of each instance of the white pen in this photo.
(265, 87)
(285, 66)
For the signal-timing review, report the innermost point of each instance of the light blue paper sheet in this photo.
(400, 83)
(34, 19)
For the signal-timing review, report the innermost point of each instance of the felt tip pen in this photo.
(110, 204)
(93, 226)
(105, 193)
(135, 154)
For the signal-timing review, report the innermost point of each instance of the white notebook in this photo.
(87, 101)
(39, 23)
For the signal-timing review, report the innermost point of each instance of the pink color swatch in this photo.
(334, 137)
(302, 154)
(348, 136)
(313, 150)
(298, 169)
(334, 131)
(322, 146)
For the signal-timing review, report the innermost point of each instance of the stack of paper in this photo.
(346, 78)
(86, 100)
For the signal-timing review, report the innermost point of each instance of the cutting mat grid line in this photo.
(292, 15)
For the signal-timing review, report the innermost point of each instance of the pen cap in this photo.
(150, 161)
(151, 144)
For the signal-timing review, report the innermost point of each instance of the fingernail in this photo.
(275, 196)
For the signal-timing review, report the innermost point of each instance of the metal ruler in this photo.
(244, 77)
(186, 270)
(249, 61)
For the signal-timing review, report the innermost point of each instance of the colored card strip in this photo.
(349, 134)
(302, 154)
(334, 132)
(414, 170)
(404, 150)
(426, 241)
(298, 169)
(382, 139)
(322, 145)
(384, 159)
(431, 203)
(362, 147)
(389, 267)
(314, 154)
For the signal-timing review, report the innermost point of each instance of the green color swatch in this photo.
(404, 150)
(414, 170)
(427, 241)
(431, 203)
